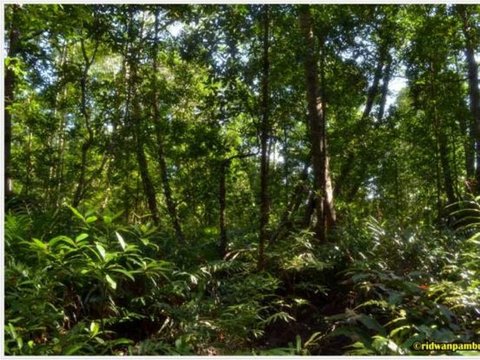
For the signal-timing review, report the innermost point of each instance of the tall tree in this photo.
(134, 114)
(470, 32)
(86, 113)
(264, 139)
(317, 129)
(167, 191)
(13, 43)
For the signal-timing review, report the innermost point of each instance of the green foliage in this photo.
(397, 305)
(87, 276)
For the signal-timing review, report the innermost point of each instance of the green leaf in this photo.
(281, 315)
(63, 238)
(81, 237)
(360, 349)
(125, 272)
(399, 329)
(120, 240)
(313, 339)
(99, 340)
(76, 213)
(72, 349)
(14, 335)
(101, 250)
(94, 328)
(298, 344)
(111, 282)
(39, 244)
(121, 341)
(12, 330)
(371, 323)
(91, 219)
(19, 342)
(395, 297)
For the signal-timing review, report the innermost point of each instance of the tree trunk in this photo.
(222, 193)
(134, 116)
(136, 120)
(328, 207)
(264, 137)
(474, 94)
(446, 169)
(441, 140)
(80, 190)
(13, 39)
(384, 90)
(171, 206)
(317, 128)
(148, 187)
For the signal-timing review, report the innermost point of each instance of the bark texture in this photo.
(317, 130)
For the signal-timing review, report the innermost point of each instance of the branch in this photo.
(238, 156)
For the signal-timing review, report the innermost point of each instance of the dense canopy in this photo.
(241, 179)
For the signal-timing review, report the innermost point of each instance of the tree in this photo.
(471, 43)
(13, 44)
(264, 137)
(171, 206)
(317, 130)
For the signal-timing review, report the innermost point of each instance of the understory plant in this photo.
(411, 286)
(66, 294)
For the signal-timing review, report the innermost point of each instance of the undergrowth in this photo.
(97, 286)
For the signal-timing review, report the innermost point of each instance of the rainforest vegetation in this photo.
(241, 179)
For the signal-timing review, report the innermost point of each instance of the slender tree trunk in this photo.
(58, 196)
(328, 206)
(474, 109)
(474, 93)
(167, 191)
(317, 128)
(446, 169)
(265, 133)
(441, 139)
(467, 128)
(87, 144)
(13, 39)
(384, 90)
(162, 163)
(58, 193)
(373, 91)
(134, 116)
(148, 187)
(222, 193)
(136, 120)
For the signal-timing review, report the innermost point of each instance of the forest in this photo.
(249, 179)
